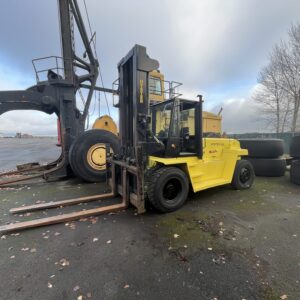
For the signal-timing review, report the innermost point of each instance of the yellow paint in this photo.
(216, 168)
(212, 122)
(141, 91)
(107, 123)
(96, 157)
(154, 97)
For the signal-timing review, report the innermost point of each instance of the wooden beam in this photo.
(61, 218)
(53, 204)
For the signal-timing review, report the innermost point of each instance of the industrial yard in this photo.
(152, 155)
(223, 244)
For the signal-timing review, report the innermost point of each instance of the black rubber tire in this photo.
(268, 167)
(295, 172)
(295, 147)
(243, 168)
(160, 179)
(79, 149)
(263, 148)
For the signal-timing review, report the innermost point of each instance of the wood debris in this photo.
(76, 288)
(64, 263)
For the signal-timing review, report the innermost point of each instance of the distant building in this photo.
(26, 136)
(20, 135)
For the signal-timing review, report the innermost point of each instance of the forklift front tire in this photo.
(243, 176)
(167, 188)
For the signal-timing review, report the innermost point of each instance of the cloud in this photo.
(31, 122)
(214, 47)
(12, 79)
(240, 116)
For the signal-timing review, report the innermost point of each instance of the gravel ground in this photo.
(223, 244)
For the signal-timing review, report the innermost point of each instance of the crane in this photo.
(57, 93)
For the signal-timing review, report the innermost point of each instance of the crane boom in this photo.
(66, 39)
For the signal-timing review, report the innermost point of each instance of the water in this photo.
(19, 151)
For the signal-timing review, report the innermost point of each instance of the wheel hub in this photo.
(96, 157)
(245, 175)
(171, 189)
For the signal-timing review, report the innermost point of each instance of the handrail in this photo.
(59, 69)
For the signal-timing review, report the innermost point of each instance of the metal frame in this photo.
(31, 173)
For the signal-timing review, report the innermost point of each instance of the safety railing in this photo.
(49, 63)
(171, 90)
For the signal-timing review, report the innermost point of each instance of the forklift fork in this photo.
(73, 215)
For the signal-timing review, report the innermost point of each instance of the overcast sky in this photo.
(213, 47)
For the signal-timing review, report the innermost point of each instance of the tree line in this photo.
(279, 93)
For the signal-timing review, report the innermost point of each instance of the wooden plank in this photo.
(53, 204)
(60, 218)
(18, 179)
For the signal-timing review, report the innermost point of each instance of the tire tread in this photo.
(152, 177)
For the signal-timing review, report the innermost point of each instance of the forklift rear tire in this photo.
(87, 154)
(167, 188)
(243, 176)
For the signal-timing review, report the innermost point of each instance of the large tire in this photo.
(263, 148)
(268, 167)
(295, 172)
(295, 147)
(83, 152)
(167, 188)
(243, 176)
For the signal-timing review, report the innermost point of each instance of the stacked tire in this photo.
(295, 154)
(266, 156)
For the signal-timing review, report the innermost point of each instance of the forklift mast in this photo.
(134, 120)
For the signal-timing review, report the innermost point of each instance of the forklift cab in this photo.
(175, 124)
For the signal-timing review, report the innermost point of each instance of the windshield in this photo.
(161, 117)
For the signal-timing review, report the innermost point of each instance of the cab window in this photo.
(155, 86)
